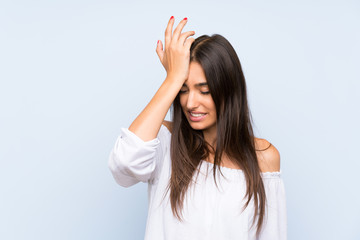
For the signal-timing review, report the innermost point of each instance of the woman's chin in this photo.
(197, 125)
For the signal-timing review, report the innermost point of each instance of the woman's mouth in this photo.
(196, 116)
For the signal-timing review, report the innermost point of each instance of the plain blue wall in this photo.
(72, 73)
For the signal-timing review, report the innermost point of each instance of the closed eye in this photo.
(183, 91)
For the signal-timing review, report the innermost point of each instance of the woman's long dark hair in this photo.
(235, 136)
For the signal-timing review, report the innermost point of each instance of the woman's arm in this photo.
(147, 124)
(139, 150)
(176, 61)
(275, 221)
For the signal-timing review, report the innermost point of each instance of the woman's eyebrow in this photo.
(198, 84)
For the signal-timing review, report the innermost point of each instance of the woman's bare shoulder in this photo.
(168, 124)
(268, 156)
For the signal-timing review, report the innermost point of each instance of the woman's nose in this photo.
(192, 101)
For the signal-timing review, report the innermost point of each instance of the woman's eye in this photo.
(183, 91)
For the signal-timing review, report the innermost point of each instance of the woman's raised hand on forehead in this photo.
(176, 56)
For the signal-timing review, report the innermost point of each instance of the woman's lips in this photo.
(197, 112)
(197, 118)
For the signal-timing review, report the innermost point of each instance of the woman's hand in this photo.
(176, 56)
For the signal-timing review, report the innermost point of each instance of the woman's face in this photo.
(196, 100)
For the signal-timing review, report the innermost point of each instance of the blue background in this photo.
(72, 73)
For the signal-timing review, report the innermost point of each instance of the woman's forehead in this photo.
(196, 76)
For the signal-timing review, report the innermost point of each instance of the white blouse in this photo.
(209, 212)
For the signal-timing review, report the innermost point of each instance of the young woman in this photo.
(210, 133)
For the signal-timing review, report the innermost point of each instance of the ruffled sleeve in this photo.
(133, 160)
(275, 223)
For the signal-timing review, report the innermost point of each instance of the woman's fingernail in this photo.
(158, 42)
(185, 18)
(172, 17)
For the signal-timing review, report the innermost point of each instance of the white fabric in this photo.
(209, 212)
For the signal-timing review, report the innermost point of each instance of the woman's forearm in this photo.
(147, 124)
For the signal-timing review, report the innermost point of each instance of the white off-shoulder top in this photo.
(209, 212)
